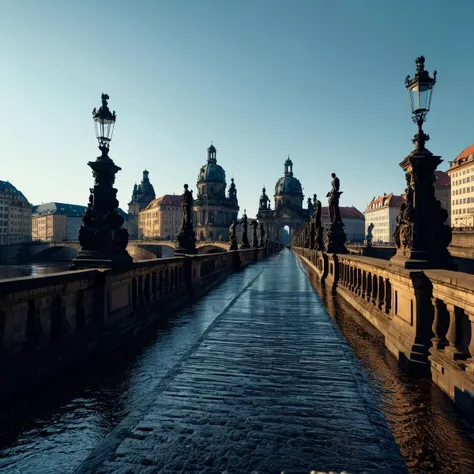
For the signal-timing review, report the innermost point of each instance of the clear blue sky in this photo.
(322, 81)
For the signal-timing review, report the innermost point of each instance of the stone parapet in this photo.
(426, 316)
(48, 323)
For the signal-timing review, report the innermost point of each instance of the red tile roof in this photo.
(442, 180)
(166, 200)
(391, 200)
(346, 212)
(465, 153)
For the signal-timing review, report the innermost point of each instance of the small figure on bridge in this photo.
(333, 200)
(369, 235)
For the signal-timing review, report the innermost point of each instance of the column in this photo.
(388, 296)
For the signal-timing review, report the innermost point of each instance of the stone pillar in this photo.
(364, 284)
(439, 340)
(452, 350)
(421, 236)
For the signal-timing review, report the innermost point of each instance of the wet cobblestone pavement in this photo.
(271, 386)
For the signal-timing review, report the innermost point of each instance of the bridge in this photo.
(67, 250)
(254, 376)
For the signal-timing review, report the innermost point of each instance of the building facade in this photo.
(56, 221)
(161, 219)
(142, 195)
(15, 215)
(442, 187)
(461, 173)
(382, 212)
(213, 211)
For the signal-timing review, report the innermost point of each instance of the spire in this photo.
(211, 154)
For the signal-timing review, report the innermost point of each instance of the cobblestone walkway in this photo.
(270, 387)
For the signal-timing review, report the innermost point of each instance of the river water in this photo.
(32, 269)
(52, 429)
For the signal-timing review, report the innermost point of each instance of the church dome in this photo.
(288, 184)
(211, 171)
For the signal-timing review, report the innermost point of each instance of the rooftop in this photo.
(61, 208)
(346, 211)
(166, 200)
(387, 200)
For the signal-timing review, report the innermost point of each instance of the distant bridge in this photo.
(138, 249)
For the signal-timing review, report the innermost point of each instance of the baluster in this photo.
(381, 294)
(452, 335)
(470, 361)
(439, 340)
(388, 296)
(375, 291)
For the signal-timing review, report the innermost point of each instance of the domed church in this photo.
(213, 210)
(288, 210)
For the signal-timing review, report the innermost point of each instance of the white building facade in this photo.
(382, 212)
(461, 172)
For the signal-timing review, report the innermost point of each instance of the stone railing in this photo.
(51, 321)
(426, 316)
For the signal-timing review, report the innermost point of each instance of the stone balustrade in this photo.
(49, 322)
(426, 316)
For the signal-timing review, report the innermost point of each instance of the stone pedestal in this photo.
(102, 238)
(319, 239)
(421, 236)
(335, 238)
(233, 243)
(186, 242)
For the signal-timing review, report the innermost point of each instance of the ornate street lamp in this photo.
(420, 92)
(102, 238)
(104, 122)
(421, 235)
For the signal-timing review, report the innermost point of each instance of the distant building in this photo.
(15, 215)
(382, 212)
(461, 172)
(442, 187)
(161, 219)
(353, 219)
(214, 212)
(142, 195)
(56, 221)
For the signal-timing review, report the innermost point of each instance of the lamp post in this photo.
(421, 235)
(102, 238)
(420, 92)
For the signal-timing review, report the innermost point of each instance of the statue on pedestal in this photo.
(186, 237)
(254, 234)
(232, 236)
(335, 237)
(262, 235)
(245, 240)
